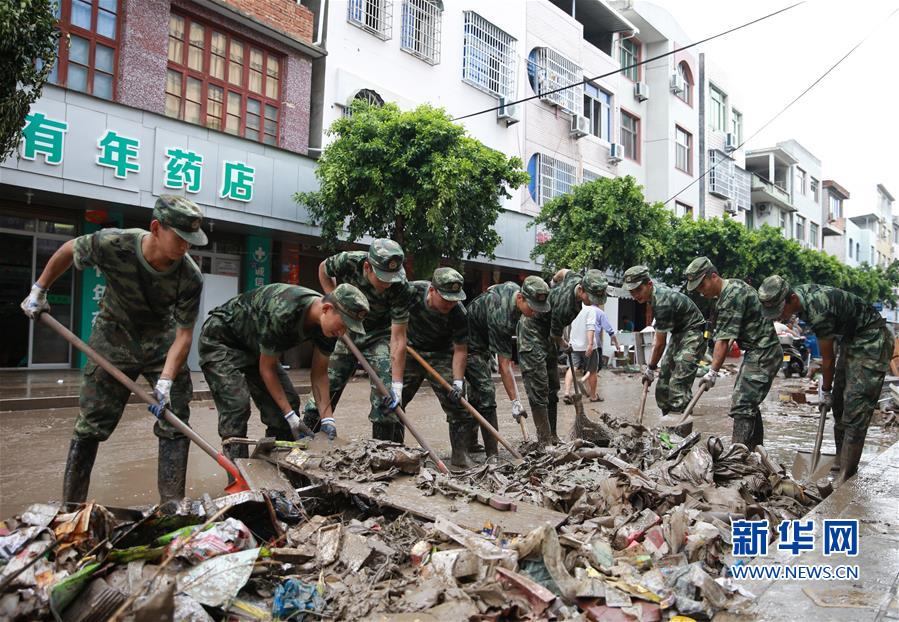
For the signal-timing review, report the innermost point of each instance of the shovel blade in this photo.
(802, 466)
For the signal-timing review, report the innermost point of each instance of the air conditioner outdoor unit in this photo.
(730, 142)
(678, 84)
(641, 91)
(616, 153)
(580, 126)
(507, 112)
(730, 207)
(763, 208)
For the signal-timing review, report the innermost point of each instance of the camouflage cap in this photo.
(595, 284)
(448, 284)
(386, 258)
(635, 276)
(182, 215)
(535, 292)
(352, 305)
(698, 269)
(773, 293)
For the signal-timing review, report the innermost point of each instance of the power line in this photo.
(790, 104)
(637, 64)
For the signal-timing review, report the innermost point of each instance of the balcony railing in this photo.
(765, 191)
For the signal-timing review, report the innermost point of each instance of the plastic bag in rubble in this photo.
(294, 597)
(228, 536)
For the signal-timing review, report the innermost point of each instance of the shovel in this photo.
(642, 403)
(238, 485)
(815, 466)
(669, 421)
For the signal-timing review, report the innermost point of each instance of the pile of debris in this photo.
(648, 537)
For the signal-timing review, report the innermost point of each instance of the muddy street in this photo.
(33, 444)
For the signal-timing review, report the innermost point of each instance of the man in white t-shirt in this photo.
(586, 346)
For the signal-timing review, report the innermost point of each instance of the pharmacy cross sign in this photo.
(183, 169)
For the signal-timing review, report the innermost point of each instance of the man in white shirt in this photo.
(586, 345)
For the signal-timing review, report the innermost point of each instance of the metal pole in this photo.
(376, 380)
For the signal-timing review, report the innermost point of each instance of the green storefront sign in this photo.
(93, 284)
(258, 266)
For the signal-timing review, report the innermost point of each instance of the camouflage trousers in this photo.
(234, 379)
(480, 390)
(858, 379)
(341, 368)
(103, 398)
(538, 359)
(677, 371)
(754, 381)
(442, 362)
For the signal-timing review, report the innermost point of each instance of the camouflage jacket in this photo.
(389, 307)
(740, 317)
(136, 294)
(430, 330)
(832, 312)
(564, 306)
(269, 320)
(674, 312)
(492, 320)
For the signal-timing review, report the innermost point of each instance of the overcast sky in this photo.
(850, 120)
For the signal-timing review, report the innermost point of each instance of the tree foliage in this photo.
(28, 43)
(413, 176)
(605, 224)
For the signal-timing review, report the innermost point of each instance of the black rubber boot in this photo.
(234, 451)
(552, 413)
(388, 431)
(850, 456)
(460, 436)
(541, 422)
(474, 447)
(171, 471)
(743, 432)
(79, 465)
(490, 444)
(838, 441)
(758, 431)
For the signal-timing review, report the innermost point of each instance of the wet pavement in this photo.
(33, 443)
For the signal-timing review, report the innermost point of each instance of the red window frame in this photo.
(687, 95)
(639, 136)
(206, 79)
(689, 169)
(66, 28)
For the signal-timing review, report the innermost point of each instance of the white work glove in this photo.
(329, 427)
(518, 411)
(826, 399)
(456, 394)
(298, 428)
(390, 402)
(162, 392)
(709, 379)
(36, 302)
(649, 375)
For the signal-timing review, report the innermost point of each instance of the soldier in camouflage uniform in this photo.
(540, 340)
(241, 347)
(145, 326)
(739, 317)
(676, 314)
(438, 330)
(380, 276)
(851, 385)
(492, 320)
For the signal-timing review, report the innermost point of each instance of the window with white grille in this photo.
(547, 71)
(550, 177)
(721, 174)
(589, 175)
(421, 30)
(488, 57)
(374, 16)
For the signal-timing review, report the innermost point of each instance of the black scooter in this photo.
(796, 357)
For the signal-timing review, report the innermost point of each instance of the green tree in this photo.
(724, 241)
(28, 43)
(414, 176)
(605, 224)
